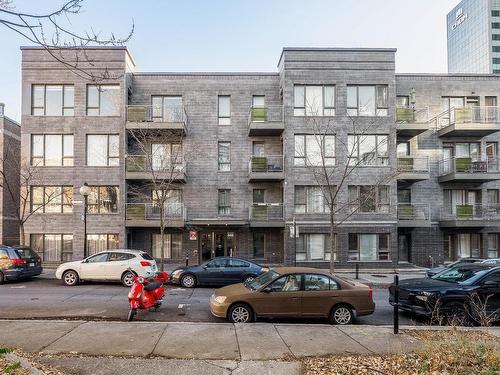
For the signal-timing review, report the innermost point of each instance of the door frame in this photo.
(212, 233)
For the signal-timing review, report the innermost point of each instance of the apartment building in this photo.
(226, 161)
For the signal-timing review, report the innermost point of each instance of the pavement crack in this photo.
(226, 368)
(357, 341)
(60, 337)
(237, 341)
(284, 342)
(159, 338)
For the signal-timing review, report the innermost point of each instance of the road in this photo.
(50, 299)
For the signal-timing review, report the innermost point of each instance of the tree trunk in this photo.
(332, 241)
(162, 243)
(21, 234)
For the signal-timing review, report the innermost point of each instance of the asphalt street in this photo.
(50, 299)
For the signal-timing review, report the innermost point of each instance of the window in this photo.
(496, 60)
(52, 150)
(103, 100)
(120, 257)
(495, 13)
(495, 25)
(165, 156)
(367, 100)
(98, 258)
(52, 100)
(496, 49)
(402, 101)
(403, 149)
(224, 110)
(224, 152)
(258, 101)
(103, 150)
(311, 199)
(101, 242)
(52, 199)
(218, 263)
(172, 248)
(367, 150)
(314, 100)
(369, 198)
(237, 263)
(103, 199)
(493, 248)
(259, 196)
(315, 248)
(468, 245)
(259, 244)
(314, 150)
(53, 247)
(289, 283)
(368, 247)
(319, 283)
(167, 109)
(496, 36)
(224, 200)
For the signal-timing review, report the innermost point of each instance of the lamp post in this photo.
(84, 192)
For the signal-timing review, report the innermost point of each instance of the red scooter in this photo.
(146, 293)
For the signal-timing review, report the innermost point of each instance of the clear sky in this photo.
(240, 35)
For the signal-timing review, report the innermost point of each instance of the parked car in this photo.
(293, 292)
(436, 270)
(218, 271)
(18, 262)
(454, 293)
(493, 261)
(112, 265)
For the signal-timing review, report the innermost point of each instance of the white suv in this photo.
(111, 265)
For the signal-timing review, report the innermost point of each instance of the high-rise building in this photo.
(473, 29)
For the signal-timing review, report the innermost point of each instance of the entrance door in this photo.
(447, 159)
(404, 242)
(216, 244)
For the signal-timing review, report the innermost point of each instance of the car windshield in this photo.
(262, 280)
(455, 274)
(25, 253)
(474, 277)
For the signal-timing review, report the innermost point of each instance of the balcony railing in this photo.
(266, 211)
(468, 165)
(413, 212)
(272, 113)
(468, 115)
(146, 163)
(149, 113)
(412, 115)
(152, 211)
(470, 212)
(272, 163)
(416, 164)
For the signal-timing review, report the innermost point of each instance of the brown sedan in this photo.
(293, 292)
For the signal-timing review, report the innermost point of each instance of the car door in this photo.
(319, 295)
(280, 298)
(117, 264)
(489, 291)
(94, 267)
(213, 271)
(235, 271)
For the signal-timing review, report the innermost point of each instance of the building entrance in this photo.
(216, 244)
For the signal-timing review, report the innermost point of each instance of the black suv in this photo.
(18, 262)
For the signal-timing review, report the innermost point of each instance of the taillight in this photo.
(370, 293)
(145, 264)
(19, 262)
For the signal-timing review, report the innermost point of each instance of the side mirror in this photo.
(490, 284)
(204, 267)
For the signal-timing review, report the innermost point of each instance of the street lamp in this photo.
(84, 192)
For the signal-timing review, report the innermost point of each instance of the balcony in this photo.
(264, 121)
(413, 215)
(156, 118)
(143, 167)
(469, 215)
(411, 122)
(468, 169)
(266, 215)
(468, 122)
(412, 169)
(266, 168)
(149, 215)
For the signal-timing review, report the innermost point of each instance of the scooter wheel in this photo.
(131, 315)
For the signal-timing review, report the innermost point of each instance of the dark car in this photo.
(457, 292)
(218, 271)
(18, 262)
(436, 270)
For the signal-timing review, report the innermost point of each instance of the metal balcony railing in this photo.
(416, 164)
(152, 211)
(272, 163)
(149, 113)
(468, 115)
(470, 212)
(271, 113)
(468, 165)
(266, 211)
(412, 115)
(412, 212)
(146, 163)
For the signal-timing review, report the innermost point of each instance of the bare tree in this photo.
(49, 31)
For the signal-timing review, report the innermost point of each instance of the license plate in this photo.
(31, 264)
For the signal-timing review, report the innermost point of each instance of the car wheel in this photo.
(188, 281)
(127, 279)
(131, 314)
(454, 313)
(70, 278)
(2, 278)
(240, 313)
(341, 315)
(248, 278)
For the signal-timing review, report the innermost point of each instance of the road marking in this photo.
(18, 287)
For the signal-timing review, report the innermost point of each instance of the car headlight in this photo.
(176, 273)
(423, 296)
(220, 299)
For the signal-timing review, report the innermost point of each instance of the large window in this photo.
(165, 156)
(314, 150)
(367, 100)
(52, 150)
(314, 248)
(52, 100)
(369, 198)
(314, 100)
(103, 199)
(493, 245)
(167, 108)
(172, 248)
(259, 244)
(368, 247)
(224, 202)
(53, 247)
(310, 199)
(224, 110)
(103, 100)
(224, 156)
(103, 150)
(52, 199)
(367, 150)
(101, 242)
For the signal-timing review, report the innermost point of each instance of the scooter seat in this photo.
(152, 286)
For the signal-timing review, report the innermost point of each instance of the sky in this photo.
(241, 35)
